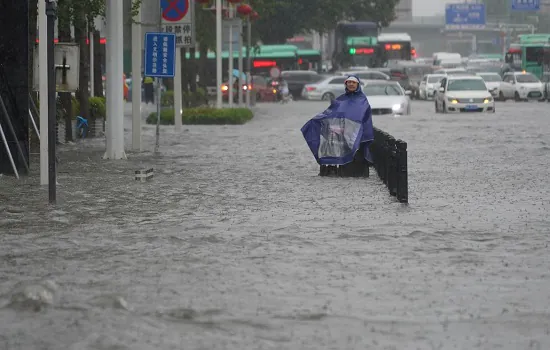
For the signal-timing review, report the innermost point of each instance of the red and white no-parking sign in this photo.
(178, 18)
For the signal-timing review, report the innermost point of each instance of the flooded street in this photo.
(237, 243)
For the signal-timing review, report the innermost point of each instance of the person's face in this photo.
(351, 85)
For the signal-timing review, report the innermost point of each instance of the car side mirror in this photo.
(441, 89)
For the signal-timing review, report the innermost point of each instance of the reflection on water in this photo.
(237, 244)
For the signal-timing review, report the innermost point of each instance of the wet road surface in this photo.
(238, 244)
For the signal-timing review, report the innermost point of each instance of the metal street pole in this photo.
(241, 65)
(51, 12)
(248, 60)
(159, 96)
(219, 68)
(137, 39)
(92, 68)
(230, 65)
(43, 82)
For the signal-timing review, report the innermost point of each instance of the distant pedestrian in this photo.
(148, 86)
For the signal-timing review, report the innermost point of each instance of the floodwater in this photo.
(237, 243)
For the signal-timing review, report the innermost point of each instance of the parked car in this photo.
(546, 82)
(297, 79)
(387, 97)
(429, 85)
(326, 90)
(501, 90)
(526, 86)
(463, 94)
(367, 74)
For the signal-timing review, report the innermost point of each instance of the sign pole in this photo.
(178, 101)
(51, 12)
(219, 68)
(43, 89)
(136, 81)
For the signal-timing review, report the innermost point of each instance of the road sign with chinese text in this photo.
(525, 5)
(464, 16)
(178, 18)
(160, 55)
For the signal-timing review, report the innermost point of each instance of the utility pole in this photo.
(51, 12)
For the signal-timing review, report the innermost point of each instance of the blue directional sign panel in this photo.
(465, 16)
(525, 5)
(160, 55)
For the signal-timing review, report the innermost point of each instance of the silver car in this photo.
(368, 75)
(387, 97)
(429, 85)
(325, 90)
(501, 90)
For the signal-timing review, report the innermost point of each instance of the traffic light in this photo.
(352, 51)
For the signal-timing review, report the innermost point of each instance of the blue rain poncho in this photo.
(336, 134)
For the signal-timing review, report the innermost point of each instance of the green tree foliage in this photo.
(283, 19)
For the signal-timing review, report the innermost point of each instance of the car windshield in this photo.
(382, 90)
(491, 77)
(434, 79)
(526, 78)
(466, 85)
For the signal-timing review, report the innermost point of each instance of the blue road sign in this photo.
(174, 10)
(160, 55)
(525, 5)
(465, 16)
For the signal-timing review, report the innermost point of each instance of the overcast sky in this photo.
(430, 7)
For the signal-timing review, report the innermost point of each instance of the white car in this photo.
(526, 86)
(501, 90)
(463, 94)
(429, 85)
(387, 97)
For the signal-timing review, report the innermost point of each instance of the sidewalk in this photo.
(91, 189)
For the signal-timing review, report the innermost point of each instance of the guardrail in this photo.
(390, 162)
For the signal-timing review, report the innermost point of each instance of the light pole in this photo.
(219, 39)
(51, 12)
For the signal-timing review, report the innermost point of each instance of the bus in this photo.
(514, 56)
(309, 59)
(345, 30)
(534, 38)
(361, 51)
(535, 59)
(395, 46)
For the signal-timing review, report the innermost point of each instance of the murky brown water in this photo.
(238, 244)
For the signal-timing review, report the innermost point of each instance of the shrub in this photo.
(167, 99)
(204, 116)
(189, 99)
(97, 108)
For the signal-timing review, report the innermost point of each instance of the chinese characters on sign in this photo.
(160, 51)
(183, 32)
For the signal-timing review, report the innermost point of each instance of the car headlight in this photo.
(522, 87)
(488, 100)
(452, 100)
(398, 107)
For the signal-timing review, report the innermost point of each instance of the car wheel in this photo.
(516, 97)
(501, 97)
(327, 96)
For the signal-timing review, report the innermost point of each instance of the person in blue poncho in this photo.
(342, 133)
